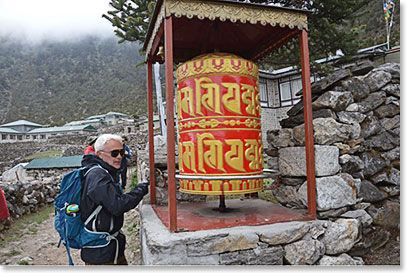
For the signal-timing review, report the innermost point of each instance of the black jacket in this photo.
(102, 188)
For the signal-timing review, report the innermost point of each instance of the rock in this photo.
(327, 82)
(351, 164)
(343, 259)
(340, 236)
(326, 131)
(392, 89)
(285, 233)
(269, 256)
(280, 138)
(17, 173)
(332, 213)
(387, 111)
(332, 192)
(337, 101)
(370, 126)
(364, 218)
(386, 216)
(371, 102)
(372, 239)
(376, 79)
(370, 193)
(392, 68)
(298, 119)
(288, 196)
(390, 123)
(382, 142)
(292, 161)
(291, 181)
(304, 252)
(362, 68)
(372, 164)
(350, 117)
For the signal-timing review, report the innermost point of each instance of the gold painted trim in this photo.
(219, 117)
(217, 64)
(233, 12)
(203, 123)
(220, 192)
(225, 174)
(224, 129)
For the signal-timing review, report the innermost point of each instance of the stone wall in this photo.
(27, 197)
(356, 121)
(357, 152)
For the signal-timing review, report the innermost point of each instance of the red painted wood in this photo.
(169, 78)
(309, 137)
(239, 212)
(150, 130)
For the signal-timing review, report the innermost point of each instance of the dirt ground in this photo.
(40, 248)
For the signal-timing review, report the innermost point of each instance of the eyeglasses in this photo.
(115, 153)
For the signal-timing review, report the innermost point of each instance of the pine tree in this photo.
(130, 18)
(325, 23)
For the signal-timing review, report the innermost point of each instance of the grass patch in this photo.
(13, 253)
(132, 227)
(45, 154)
(134, 180)
(23, 263)
(16, 230)
(33, 230)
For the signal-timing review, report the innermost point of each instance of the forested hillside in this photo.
(57, 82)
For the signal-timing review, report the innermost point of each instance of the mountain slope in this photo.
(57, 82)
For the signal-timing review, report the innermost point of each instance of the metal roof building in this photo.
(55, 162)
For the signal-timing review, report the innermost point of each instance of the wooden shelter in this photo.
(188, 28)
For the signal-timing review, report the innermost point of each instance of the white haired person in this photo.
(101, 187)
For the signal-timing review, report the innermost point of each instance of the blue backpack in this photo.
(71, 228)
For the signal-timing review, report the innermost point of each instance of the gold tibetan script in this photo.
(208, 96)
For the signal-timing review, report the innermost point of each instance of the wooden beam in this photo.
(309, 135)
(156, 42)
(151, 130)
(279, 42)
(169, 91)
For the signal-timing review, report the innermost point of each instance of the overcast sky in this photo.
(54, 19)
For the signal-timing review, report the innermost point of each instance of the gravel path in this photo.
(40, 247)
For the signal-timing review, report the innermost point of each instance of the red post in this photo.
(309, 135)
(150, 130)
(169, 92)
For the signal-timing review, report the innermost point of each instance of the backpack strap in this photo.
(94, 214)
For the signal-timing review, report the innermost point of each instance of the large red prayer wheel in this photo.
(218, 103)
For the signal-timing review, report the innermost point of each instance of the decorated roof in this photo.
(245, 29)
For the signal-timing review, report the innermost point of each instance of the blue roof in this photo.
(9, 131)
(63, 129)
(55, 162)
(21, 122)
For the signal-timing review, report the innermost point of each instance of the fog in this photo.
(38, 20)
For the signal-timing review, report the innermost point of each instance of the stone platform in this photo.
(251, 231)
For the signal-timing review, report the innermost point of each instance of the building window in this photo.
(12, 136)
(263, 92)
(42, 136)
(289, 86)
(3, 137)
(34, 136)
